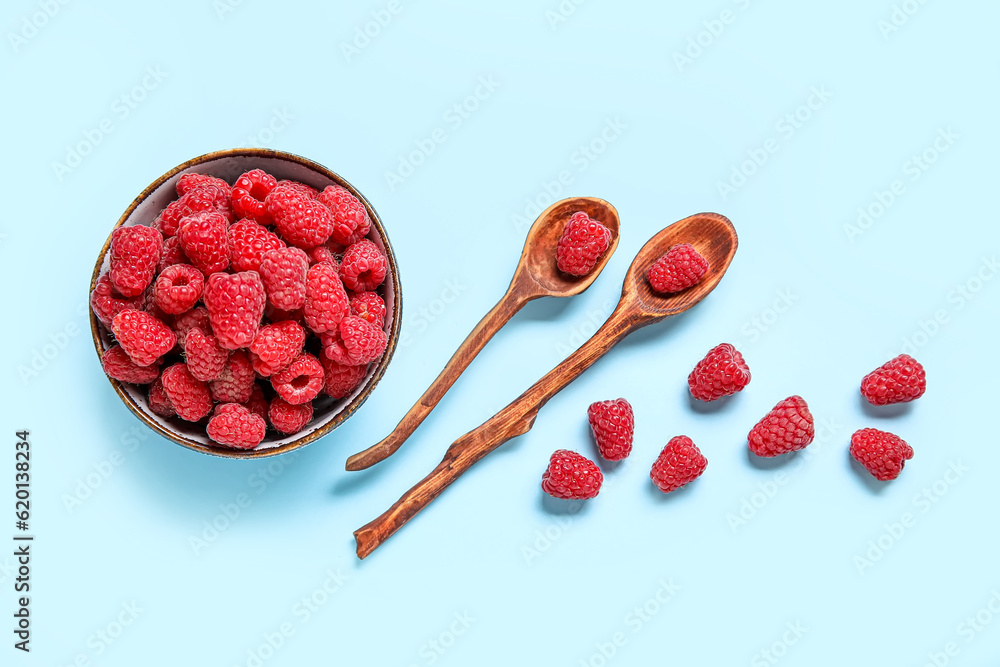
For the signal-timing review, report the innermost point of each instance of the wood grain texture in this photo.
(710, 233)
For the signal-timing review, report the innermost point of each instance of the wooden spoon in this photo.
(711, 234)
(536, 276)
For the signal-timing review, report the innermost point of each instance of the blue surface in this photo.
(492, 574)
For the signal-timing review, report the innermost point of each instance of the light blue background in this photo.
(854, 301)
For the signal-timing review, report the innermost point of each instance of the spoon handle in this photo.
(514, 420)
(506, 308)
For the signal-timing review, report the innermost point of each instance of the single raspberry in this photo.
(679, 268)
(158, 400)
(106, 302)
(204, 240)
(571, 476)
(189, 396)
(249, 192)
(326, 300)
(135, 253)
(188, 320)
(582, 243)
(235, 305)
(192, 181)
(612, 424)
(881, 453)
(722, 372)
(300, 188)
(287, 418)
(178, 288)
(341, 380)
(256, 404)
(351, 221)
(172, 254)
(363, 267)
(370, 307)
(206, 198)
(236, 381)
(143, 337)
(283, 272)
(275, 346)
(300, 381)
(680, 463)
(233, 425)
(203, 355)
(322, 254)
(248, 242)
(899, 380)
(788, 427)
(301, 220)
(356, 342)
(118, 365)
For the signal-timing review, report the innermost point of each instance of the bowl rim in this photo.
(347, 410)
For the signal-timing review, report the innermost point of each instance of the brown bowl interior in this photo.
(229, 164)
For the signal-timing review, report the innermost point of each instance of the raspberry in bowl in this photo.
(246, 303)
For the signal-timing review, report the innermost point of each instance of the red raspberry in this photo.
(249, 192)
(363, 267)
(899, 380)
(370, 307)
(301, 220)
(275, 346)
(571, 476)
(300, 381)
(134, 256)
(351, 221)
(143, 337)
(235, 305)
(172, 254)
(680, 463)
(233, 425)
(341, 380)
(118, 365)
(357, 342)
(881, 453)
(178, 288)
(205, 358)
(612, 424)
(722, 372)
(788, 427)
(248, 243)
(158, 400)
(283, 272)
(679, 268)
(257, 404)
(192, 181)
(582, 243)
(107, 302)
(207, 198)
(322, 254)
(204, 240)
(183, 323)
(287, 418)
(236, 381)
(300, 188)
(188, 395)
(326, 300)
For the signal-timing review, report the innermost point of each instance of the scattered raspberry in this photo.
(183, 323)
(192, 181)
(370, 307)
(283, 272)
(287, 418)
(235, 307)
(106, 302)
(351, 221)
(135, 253)
(118, 365)
(326, 300)
(172, 254)
(340, 380)
(300, 188)
(364, 267)
(322, 254)
(235, 426)
(249, 192)
(143, 337)
(257, 404)
(722, 372)
(248, 243)
(571, 476)
(679, 268)
(301, 220)
(204, 356)
(582, 243)
(178, 288)
(207, 198)
(881, 453)
(899, 380)
(788, 427)
(680, 463)
(188, 395)
(158, 400)
(204, 240)
(356, 342)
(612, 424)
(236, 381)
(300, 381)
(275, 346)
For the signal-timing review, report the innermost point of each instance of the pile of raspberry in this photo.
(241, 306)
